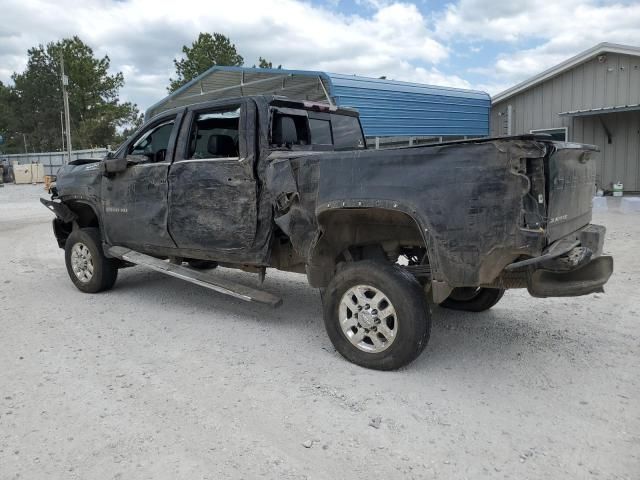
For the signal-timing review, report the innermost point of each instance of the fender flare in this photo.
(69, 202)
(427, 238)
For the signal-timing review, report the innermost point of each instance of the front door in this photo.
(212, 188)
(135, 200)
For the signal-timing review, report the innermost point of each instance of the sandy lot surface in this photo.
(162, 379)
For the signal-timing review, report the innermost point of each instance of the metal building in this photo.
(593, 98)
(387, 108)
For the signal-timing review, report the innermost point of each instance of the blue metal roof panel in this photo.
(390, 107)
(340, 80)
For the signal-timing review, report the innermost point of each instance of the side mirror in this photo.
(116, 165)
(113, 165)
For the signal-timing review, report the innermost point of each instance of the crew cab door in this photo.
(212, 187)
(134, 200)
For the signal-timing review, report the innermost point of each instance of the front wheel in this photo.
(375, 315)
(473, 299)
(89, 270)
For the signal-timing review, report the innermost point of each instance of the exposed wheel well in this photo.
(358, 234)
(86, 217)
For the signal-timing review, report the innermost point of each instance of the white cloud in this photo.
(387, 37)
(143, 36)
(519, 20)
(558, 30)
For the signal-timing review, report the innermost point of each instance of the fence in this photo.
(52, 161)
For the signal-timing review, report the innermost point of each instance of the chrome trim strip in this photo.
(194, 160)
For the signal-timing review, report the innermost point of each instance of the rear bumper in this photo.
(571, 266)
(586, 279)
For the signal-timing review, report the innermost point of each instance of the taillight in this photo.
(535, 201)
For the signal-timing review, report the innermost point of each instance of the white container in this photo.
(22, 174)
(28, 173)
(617, 189)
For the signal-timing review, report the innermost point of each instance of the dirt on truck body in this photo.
(262, 181)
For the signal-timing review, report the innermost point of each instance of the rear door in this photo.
(212, 187)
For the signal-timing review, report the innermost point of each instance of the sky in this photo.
(479, 44)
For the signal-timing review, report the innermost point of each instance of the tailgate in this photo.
(571, 177)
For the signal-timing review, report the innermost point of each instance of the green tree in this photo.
(96, 113)
(207, 51)
(263, 63)
(35, 103)
(7, 119)
(126, 132)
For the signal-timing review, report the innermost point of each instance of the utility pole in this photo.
(24, 139)
(61, 132)
(65, 100)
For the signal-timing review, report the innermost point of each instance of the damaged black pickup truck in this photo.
(264, 181)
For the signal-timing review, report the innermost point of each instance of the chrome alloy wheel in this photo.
(368, 319)
(82, 262)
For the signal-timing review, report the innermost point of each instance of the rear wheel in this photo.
(472, 299)
(89, 270)
(375, 315)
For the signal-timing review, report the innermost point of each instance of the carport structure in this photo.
(391, 111)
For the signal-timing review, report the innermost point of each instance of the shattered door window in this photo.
(154, 142)
(215, 134)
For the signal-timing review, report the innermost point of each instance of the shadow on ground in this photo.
(479, 339)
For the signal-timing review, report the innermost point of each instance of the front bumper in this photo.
(572, 266)
(63, 221)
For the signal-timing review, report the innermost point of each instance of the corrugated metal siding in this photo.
(387, 107)
(593, 84)
(398, 108)
(618, 161)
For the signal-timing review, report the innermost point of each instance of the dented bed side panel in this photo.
(466, 199)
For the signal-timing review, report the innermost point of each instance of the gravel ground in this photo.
(162, 379)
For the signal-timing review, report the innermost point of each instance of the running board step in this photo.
(228, 287)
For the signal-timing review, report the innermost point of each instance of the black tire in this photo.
(404, 294)
(105, 270)
(202, 264)
(473, 299)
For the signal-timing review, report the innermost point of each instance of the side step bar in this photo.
(228, 287)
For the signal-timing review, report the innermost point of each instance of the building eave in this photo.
(600, 111)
